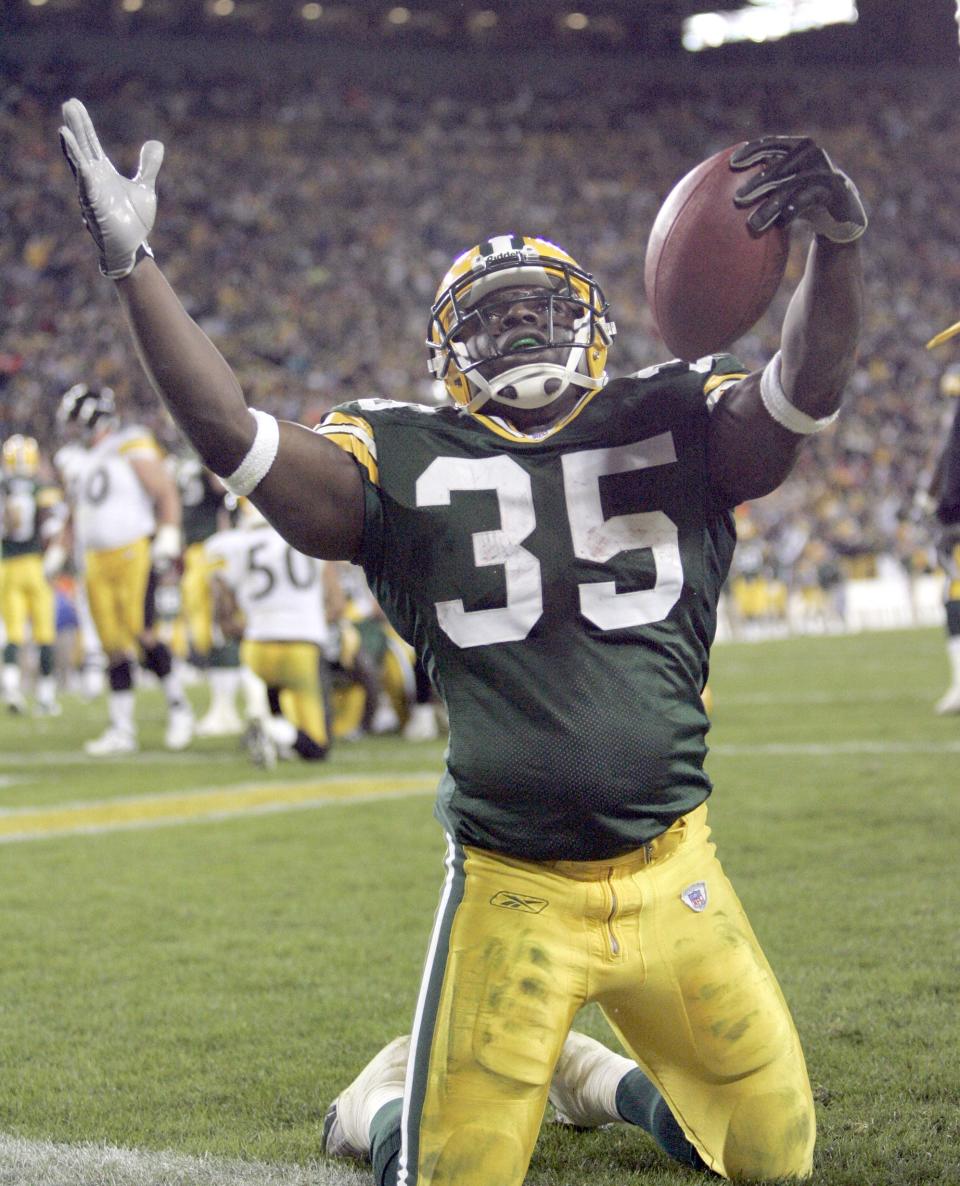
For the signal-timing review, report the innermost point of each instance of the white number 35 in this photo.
(594, 538)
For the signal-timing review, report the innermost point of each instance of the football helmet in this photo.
(950, 381)
(86, 406)
(21, 456)
(575, 313)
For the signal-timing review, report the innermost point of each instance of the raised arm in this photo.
(307, 488)
(759, 425)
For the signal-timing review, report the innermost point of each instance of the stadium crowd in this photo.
(308, 222)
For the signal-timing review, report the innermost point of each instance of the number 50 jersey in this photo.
(562, 593)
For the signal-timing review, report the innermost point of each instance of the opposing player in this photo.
(553, 544)
(275, 596)
(27, 502)
(126, 515)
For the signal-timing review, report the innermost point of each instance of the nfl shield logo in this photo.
(695, 896)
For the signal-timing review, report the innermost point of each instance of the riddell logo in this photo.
(511, 901)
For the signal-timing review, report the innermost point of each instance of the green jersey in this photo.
(201, 501)
(23, 502)
(562, 594)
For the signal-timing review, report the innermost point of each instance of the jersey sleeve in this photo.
(354, 431)
(725, 372)
(138, 442)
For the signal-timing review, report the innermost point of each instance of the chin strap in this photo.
(530, 381)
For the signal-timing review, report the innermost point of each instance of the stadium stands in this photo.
(307, 222)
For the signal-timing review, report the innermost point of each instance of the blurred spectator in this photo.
(309, 223)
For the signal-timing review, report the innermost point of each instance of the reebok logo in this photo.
(512, 901)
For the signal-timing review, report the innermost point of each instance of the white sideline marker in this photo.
(30, 1163)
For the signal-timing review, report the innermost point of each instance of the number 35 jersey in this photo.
(562, 594)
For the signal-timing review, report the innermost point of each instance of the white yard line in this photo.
(832, 749)
(45, 1163)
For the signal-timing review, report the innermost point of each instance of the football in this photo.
(708, 279)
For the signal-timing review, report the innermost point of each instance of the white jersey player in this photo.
(277, 595)
(126, 517)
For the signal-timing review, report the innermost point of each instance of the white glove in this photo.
(166, 546)
(54, 558)
(117, 211)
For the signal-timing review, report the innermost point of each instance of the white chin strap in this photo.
(532, 384)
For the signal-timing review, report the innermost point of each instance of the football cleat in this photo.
(112, 743)
(421, 724)
(585, 1081)
(179, 731)
(346, 1126)
(384, 719)
(47, 708)
(260, 748)
(949, 703)
(220, 721)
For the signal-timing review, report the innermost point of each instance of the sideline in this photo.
(30, 1163)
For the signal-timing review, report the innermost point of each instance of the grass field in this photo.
(196, 956)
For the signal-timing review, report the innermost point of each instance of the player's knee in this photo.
(476, 1155)
(771, 1136)
(157, 658)
(120, 674)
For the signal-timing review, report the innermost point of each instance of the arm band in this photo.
(781, 409)
(256, 465)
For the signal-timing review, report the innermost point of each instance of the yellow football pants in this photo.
(116, 591)
(660, 941)
(197, 598)
(294, 668)
(26, 596)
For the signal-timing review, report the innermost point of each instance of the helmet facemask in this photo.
(569, 349)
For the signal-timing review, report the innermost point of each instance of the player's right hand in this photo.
(117, 211)
(798, 180)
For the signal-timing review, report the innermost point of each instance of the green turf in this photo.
(208, 987)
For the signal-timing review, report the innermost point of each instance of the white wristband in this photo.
(781, 409)
(256, 465)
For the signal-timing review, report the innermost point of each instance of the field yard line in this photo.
(30, 1163)
(830, 749)
(825, 696)
(179, 807)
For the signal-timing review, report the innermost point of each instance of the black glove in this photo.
(798, 180)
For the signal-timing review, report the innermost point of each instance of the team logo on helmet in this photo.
(573, 311)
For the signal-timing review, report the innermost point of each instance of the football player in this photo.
(945, 493)
(553, 545)
(26, 597)
(274, 596)
(205, 512)
(126, 514)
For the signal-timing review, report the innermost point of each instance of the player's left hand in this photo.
(798, 180)
(117, 211)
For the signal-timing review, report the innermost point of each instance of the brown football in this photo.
(708, 279)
